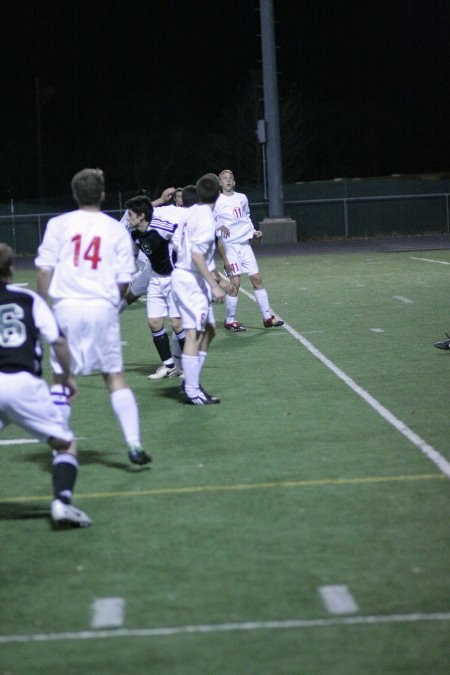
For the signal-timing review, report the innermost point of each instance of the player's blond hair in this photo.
(226, 171)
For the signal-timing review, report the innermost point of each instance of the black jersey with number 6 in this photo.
(24, 318)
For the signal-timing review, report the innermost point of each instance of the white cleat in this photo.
(66, 514)
(165, 371)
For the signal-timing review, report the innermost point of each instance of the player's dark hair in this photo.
(208, 188)
(6, 259)
(174, 195)
(141, 204)
(189, 195)
(88, 187)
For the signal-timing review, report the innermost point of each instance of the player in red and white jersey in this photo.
(236, 230)
(195, 282)
(85, 264)
(26, 319)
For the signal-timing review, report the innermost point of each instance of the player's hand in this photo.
(225, 231)
(227, 287)
(166, 195)
(228, 271)
(218, 293)
(71, 385)
(257, 234)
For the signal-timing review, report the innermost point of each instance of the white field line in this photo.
(338, 600)
(428, 450)
(440, 262)
(25, 441)
(107, 612)
(406, 301)
(228, 627)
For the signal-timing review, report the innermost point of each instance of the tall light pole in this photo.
(276, 228)
(271, 114)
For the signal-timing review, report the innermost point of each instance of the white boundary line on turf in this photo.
(227, 627)
(440, 262)
(19, 441)
(428, 450)
(26, 441)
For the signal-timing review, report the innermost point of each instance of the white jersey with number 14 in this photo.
(89, 253)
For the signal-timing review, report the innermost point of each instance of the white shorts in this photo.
(241, 258)
(141, 280)
(192, 296)
(159, 298)
(25, 399)
(93, 335)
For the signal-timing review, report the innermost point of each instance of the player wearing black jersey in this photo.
(152, 230)
(25, 398)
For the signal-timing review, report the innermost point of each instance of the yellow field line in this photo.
(239, 487)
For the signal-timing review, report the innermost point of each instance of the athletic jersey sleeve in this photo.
(47, 255)
(44, 320)
(124, 259)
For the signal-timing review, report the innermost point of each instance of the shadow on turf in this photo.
(23, 511)
(85, 457)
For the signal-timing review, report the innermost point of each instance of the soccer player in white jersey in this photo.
(24, 395)
(195, 283)
(85, 263)
(236, 230)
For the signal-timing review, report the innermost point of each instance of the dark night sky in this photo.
(136, 87)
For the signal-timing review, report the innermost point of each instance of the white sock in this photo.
(202, 358)
(191, 370)
(231, 304)
(125, 408)
(262, 299)
(61, 402)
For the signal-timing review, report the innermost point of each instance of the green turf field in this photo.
(325, 465)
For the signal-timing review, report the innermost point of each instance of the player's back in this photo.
(89, 252)
(24, 316)
(165, 219)
(196, 233)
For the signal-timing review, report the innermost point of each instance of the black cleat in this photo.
(200, 399)
(443, 344)
(139, 456)
(211, 399)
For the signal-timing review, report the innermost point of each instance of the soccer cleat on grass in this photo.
(211, 399)
(137, 455)
(165, 371)
(234, 326)
(198, 399)
(443, 344)
(272, 322)
(68, 515)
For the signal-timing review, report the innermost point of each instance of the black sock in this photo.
(65, 469)
(161, 341)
